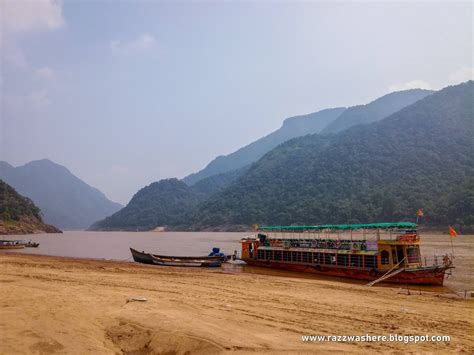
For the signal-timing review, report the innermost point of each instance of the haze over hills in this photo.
(285, 186)
(65, 200)
(292, 127)
(19, 215)
(419, 157)
(324, 121)
(376, 110)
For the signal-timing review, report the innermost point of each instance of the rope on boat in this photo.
(388, 274)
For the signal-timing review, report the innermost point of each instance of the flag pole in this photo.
(452, 247)
(452, 234)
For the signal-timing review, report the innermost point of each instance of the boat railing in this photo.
(438, 260)
(375, 234)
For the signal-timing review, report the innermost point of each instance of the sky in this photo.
(124, 93)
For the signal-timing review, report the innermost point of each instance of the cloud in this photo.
(461, 75)
(22, 16)
(143, 42)
(414, 84)
(45, 73)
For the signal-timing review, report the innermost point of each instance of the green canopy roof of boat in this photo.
(384, 225)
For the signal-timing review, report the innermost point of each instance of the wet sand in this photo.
(65, 305)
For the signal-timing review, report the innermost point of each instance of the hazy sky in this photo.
(126, 93)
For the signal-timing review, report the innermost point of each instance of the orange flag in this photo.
(420, 213)
(452, 232)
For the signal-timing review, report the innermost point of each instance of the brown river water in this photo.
(115, 246)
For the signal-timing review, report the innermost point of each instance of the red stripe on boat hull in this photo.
(422, 276)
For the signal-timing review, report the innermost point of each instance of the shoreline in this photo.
(80, 305)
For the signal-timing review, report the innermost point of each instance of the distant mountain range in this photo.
(325, 121)
(19, 215)
(419, 157)
(352, 171)
(65, 200)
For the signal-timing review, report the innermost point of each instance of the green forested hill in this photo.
(18, 214)
(161, 203)
(165, 203)
(419, 157)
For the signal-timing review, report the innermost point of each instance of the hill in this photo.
(161, 203)
(292, 127)
(376, 110)
(419, 157)
(166, 202)
(19, 215)
(65, 200)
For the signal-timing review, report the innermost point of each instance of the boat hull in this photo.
(140, 257)
(145, 258)
(416, 276)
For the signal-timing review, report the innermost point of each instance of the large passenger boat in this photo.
(388, 252)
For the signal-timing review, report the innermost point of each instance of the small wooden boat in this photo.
(188, 261)
(12, 244)
(31, 244)
(145, 257)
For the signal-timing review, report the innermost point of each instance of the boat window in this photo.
(306, 257)
(277, 255)
(412, 255)
(318, 258)
(370, 261)
(260, 254)
(286, 256)
(268, 254)
(296, 256)
(342, 259)
(356, 260)
(384, 257)
(330, 259)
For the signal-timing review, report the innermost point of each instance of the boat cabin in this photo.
(380, 246)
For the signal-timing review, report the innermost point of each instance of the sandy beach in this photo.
(64, 305)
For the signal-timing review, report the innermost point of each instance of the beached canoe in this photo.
(145, 257)
(189, 261)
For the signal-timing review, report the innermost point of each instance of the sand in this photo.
(63, 305)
